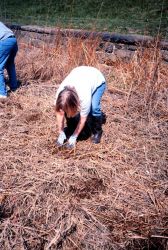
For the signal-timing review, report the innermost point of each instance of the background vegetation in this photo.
(129, 16)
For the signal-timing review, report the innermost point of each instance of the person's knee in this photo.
(96, 111)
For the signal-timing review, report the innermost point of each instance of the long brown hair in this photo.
(68, 101)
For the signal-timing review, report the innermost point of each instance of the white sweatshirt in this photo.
(5, 32)
(85, 80)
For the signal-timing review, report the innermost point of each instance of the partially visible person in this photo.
(80, 95)
(8, 50)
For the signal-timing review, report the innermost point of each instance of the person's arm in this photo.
(60, 121)
(80, 125)
(73, 138)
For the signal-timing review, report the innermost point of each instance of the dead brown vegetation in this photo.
(107, 196)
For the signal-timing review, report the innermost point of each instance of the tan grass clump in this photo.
(54, 62)
(146, 76)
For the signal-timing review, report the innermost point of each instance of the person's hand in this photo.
(61, 139)
(71, 142)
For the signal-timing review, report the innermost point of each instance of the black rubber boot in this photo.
(96, 129)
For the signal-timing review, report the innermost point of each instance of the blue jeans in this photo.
(8, 50)
(96, 98)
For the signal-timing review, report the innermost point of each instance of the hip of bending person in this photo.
(80, 95)
(8, 50)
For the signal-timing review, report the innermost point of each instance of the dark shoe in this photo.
(3, 96)
(95, 138)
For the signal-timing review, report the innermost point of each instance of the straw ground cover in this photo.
(113, 195)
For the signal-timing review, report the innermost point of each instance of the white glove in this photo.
(72, 141)
(61, 139)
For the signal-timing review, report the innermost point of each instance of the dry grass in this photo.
(107, 196)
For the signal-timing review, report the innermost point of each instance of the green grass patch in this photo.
(138, 16)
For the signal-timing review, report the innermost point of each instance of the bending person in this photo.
(80, 92)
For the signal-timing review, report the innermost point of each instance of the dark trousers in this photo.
(88, 129)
